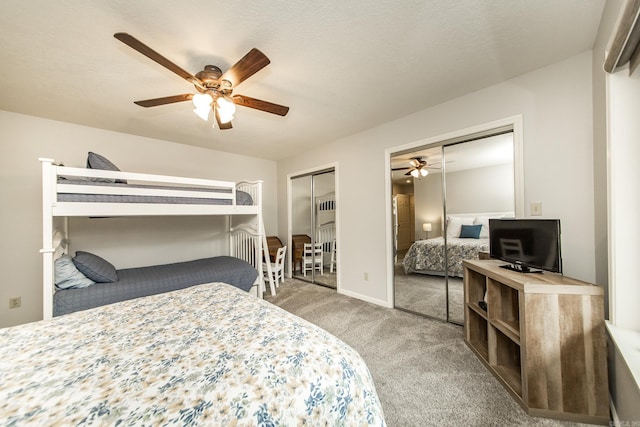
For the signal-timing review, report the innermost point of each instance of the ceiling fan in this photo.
(418, 167)
(214, 88)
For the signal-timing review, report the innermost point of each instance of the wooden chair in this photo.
(312, 258)
(277, 267)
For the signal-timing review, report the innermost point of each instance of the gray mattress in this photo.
(144, 281)
(242, 198)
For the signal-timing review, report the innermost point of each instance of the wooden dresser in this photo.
(273, 243)
(542, 336)
(298, 241)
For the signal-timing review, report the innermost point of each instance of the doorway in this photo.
(313, 238)
(456, 182)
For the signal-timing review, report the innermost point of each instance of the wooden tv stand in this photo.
(542, 336)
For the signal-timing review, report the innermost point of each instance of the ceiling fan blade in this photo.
(399, 169)
(166, 100)
(136, 44)
(258, 104)
(222, 126)
(246, 67)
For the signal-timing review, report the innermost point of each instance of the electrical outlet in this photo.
(535, 208)
(15, 302)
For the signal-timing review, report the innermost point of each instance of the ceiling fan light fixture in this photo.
(226, 109)
(202, 112)
(226, 105)
(415, 173)
(202, 100)
(424, 172)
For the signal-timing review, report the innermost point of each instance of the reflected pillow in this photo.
(470, 231)
(95, 268)
(96, 161)
(68, 276)
(484, 221)
(454, 224)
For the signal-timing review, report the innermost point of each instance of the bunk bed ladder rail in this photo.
(47, 251)
(248, 245)
(254, 188)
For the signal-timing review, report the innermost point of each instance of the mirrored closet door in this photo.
(418, 207)
(455, 187)
(313, 228)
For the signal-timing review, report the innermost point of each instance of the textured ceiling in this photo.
(340, 66)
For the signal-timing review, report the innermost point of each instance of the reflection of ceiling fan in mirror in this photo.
(214, 88)
(418, 166)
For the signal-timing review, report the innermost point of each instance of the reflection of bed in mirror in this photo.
(428, 256)
(467, 236)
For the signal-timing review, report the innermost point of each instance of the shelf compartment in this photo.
(476, 285)
(504, 308)
(477, 335)
(482, 313)
(506, 360)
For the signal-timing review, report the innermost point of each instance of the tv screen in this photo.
(526, 243)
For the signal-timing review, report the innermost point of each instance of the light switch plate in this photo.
(535, 208)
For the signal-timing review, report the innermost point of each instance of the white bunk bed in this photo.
(79, 192)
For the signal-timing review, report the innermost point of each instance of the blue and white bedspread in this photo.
(207, 355)
(428, 255)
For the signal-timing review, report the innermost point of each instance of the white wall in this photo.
(427, 195)
(485, 189)
(124, 242)
(301, 206)
(488, 189)
(556, 106)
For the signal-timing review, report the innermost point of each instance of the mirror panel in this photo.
(419, 282)
(324, 188)
(467, 183)
(301, 226)
(479, 179)
(314, 222)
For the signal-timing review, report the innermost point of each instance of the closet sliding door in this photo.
(479, 184)
(419, 280)
(313, 215)
(468, 181)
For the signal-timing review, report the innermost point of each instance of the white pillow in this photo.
(68, 276)
(484, 221)
(455, 223)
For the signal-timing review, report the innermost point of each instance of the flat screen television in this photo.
(528, 245)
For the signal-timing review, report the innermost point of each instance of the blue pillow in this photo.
(95, 268)
(470, 231)
(67, 275)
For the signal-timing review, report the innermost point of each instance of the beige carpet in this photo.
(424, 373)
(426, 294)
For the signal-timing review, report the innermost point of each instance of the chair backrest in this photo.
(314, 250)
(317, 249)
(282, 252)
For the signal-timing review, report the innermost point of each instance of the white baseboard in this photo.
(615, 420)
(366, 298)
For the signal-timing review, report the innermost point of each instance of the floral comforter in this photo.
(210, 355)
(428, 255)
